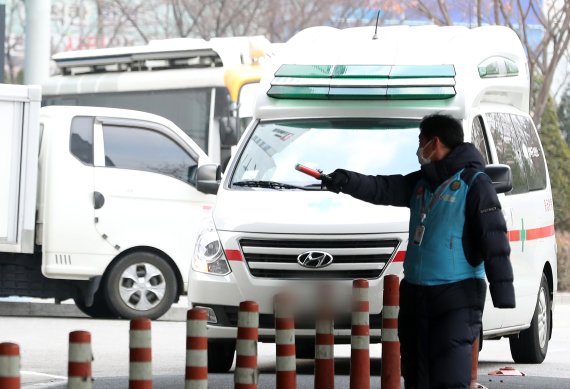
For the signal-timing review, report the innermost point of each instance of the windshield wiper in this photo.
(270, 185)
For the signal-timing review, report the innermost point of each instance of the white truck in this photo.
(99, 205)
(353, 99)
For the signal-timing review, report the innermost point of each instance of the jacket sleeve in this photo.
(393, 190)
(488, 238)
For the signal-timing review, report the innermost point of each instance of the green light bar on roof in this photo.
(365, 71)
(363, 82)
(305, 71)
(349, 93)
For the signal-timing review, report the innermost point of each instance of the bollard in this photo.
(360, 337)
(140, 361)
(474, 363)
(9, 366)
(79, 361)
(196, 349)
(246, 374)
(390, 342)
(324, 342)
(286, 366)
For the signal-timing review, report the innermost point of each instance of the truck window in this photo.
(532, 152)
(371, 146)
(189, 109)
(142, 149)
(479, 139)
(509, 148)
(81, 139)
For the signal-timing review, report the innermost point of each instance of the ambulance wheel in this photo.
(221, 355)
(531, 345)
(141, 284)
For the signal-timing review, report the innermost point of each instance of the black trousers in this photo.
(437, 326)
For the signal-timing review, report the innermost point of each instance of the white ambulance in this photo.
(353, 99)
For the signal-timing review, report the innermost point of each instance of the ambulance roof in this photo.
(406, 71)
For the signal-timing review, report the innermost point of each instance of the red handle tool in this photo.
(311, 172)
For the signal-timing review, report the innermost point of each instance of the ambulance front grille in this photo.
(351, 259)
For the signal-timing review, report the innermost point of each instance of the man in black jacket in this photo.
(457, 235)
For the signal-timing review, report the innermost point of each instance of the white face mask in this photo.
(420, 153)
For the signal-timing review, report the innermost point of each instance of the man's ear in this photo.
(438, 144)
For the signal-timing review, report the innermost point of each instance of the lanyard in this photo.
(437, 194)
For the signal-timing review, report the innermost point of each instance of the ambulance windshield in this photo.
(368, 146)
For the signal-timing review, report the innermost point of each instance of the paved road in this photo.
(43, 343)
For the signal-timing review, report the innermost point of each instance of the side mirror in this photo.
(208, 178)
(501, 177)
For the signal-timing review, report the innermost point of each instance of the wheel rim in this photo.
(142, 286)
(542, 318)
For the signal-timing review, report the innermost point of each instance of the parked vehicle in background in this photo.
(197, 84)
(354, 99)
(99, 205)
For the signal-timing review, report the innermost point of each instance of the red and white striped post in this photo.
(324, 342)
(9, 366)
(390, 341)
(360, 337)
(140, 361)
(246, 374)
(196, 349)
(286, 366)
(79, 361)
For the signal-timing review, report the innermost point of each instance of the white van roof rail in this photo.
(160, 54)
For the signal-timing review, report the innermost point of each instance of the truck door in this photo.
(144, 189)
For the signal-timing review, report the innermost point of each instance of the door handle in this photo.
(98, 200)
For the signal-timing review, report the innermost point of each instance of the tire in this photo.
(220, 355)
(531, 345)
(98, 310)
(141, 284)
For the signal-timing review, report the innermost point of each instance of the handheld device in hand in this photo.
(311, 172)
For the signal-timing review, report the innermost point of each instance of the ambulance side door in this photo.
(492, 317)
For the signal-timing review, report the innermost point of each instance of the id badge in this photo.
(419, 234)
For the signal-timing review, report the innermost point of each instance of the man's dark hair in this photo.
(448, 129)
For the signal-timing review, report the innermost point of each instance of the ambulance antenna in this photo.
(376, 29)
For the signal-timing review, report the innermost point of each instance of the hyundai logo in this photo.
(315, 259)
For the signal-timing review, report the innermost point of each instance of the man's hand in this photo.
(335, 180)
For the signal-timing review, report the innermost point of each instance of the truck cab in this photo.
(115, 199)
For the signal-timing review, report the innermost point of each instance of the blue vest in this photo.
(439, 258)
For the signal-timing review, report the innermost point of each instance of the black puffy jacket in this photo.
(485, 230)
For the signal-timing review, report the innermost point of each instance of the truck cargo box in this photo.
(19, 144)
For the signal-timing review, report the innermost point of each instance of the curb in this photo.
(176, 313)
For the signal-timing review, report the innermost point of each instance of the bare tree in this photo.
(14, 39)
(551, 19)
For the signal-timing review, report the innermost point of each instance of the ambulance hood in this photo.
(304, 212)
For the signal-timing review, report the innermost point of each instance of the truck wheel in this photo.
(141, 284)
(221, 355)
(99, 309)
(531, 344)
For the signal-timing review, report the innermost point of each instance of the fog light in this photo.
(211, 314)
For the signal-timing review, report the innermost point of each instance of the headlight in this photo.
(208, 254)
